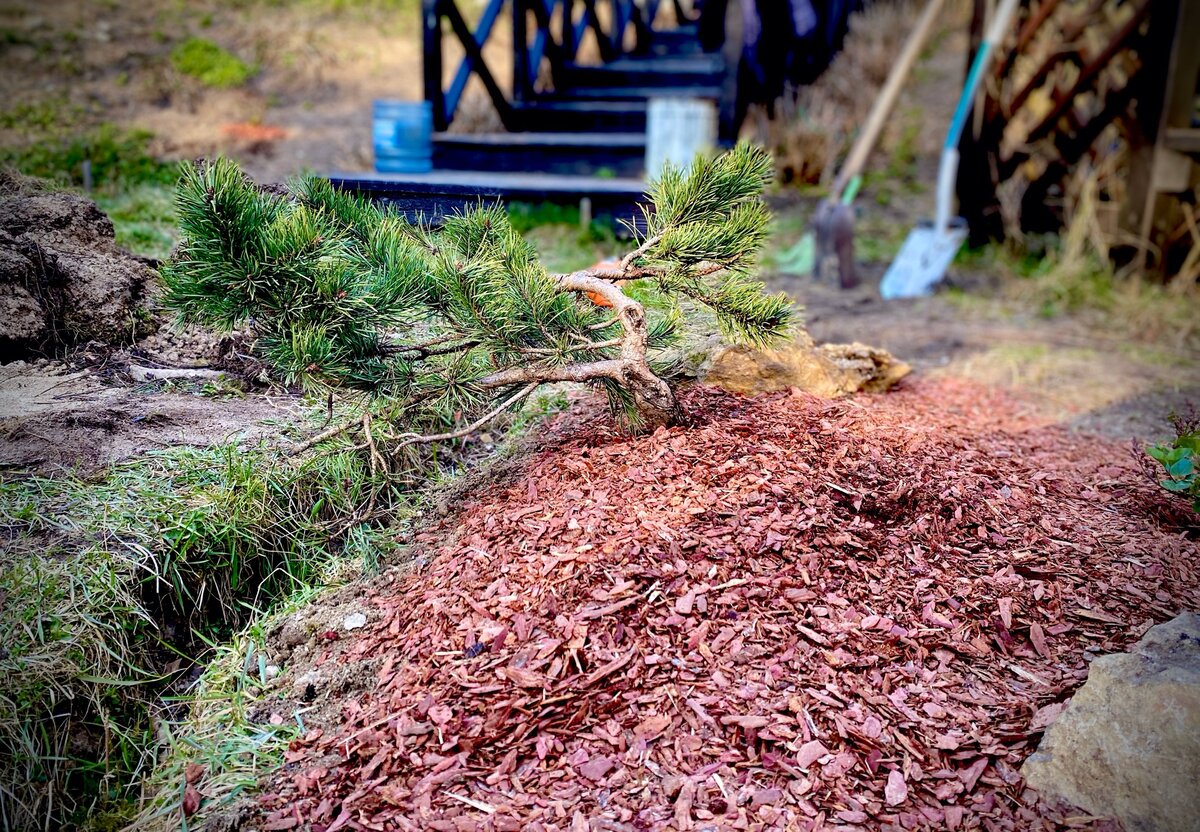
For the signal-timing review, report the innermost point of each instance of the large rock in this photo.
(1128, 745)
(63, 278)
(829, 370)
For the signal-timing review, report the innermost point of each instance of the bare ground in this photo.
(1067, 369)
(54, 419)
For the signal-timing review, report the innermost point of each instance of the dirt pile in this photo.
(63, 279)
(795, 614)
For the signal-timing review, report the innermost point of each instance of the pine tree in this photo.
(444, 329)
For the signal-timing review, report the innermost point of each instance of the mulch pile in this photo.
(795, 614)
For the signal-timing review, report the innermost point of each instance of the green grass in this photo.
(562, 243)
(119, 158)
(877, 239)
(39, 116)
(107, 579)
(129, 184)
(1130, 307)
(210, 64)
(144, 217)
(220, 730)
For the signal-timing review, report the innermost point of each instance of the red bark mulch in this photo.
(796, 614)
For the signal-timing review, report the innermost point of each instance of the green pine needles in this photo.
(444, 329)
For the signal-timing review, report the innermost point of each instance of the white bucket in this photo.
(677, 129)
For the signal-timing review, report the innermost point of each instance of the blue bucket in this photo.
(403, 136)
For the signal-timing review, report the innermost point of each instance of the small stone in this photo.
(827, 371)
(354, 621)
(272, 670)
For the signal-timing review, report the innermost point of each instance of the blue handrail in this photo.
(548, 47)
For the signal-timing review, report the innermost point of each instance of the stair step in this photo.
(639, 72)
(617, 154)
(640, 93)
(680, 41)
(571, 116)
(440, 194)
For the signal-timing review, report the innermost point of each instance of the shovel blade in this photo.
(923, 260)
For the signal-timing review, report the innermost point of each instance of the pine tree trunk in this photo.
(652, 396)
(655, 402)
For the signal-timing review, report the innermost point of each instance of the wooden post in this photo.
(975, 186)
(569, 47)
(521, 69)
(1166, 86)
(431, 26)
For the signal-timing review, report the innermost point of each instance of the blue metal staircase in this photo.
(573, 129)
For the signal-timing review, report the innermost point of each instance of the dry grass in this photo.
(820, 120)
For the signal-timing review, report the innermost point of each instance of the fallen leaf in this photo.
(191, 801)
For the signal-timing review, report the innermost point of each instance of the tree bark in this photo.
(652, 396)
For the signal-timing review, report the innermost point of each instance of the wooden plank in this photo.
(545, 114)
(1173, 24)
(710, 93)
(548, 140)
(494, 183)
(618, 154)
(1183, 139)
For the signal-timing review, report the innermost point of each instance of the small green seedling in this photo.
(1181, 458)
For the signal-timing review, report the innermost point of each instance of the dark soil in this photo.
(63, 279)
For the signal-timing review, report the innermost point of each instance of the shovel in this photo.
(930, 247)
(833, 222)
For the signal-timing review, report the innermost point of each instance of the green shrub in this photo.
(210, 64)
(1181, 458)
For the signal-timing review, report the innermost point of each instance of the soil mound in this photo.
(63, 278)
(796, 614)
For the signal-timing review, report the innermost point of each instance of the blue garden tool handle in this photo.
(948, 169)
(968, 97)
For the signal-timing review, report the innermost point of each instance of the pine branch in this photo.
(416, 438)
(344, 294)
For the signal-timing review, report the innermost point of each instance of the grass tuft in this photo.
(119, 158)
(222, 741)
(210, 64)
(115, 586)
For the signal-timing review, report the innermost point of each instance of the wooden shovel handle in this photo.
(886, 99)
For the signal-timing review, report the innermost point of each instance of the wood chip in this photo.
(695, 628)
